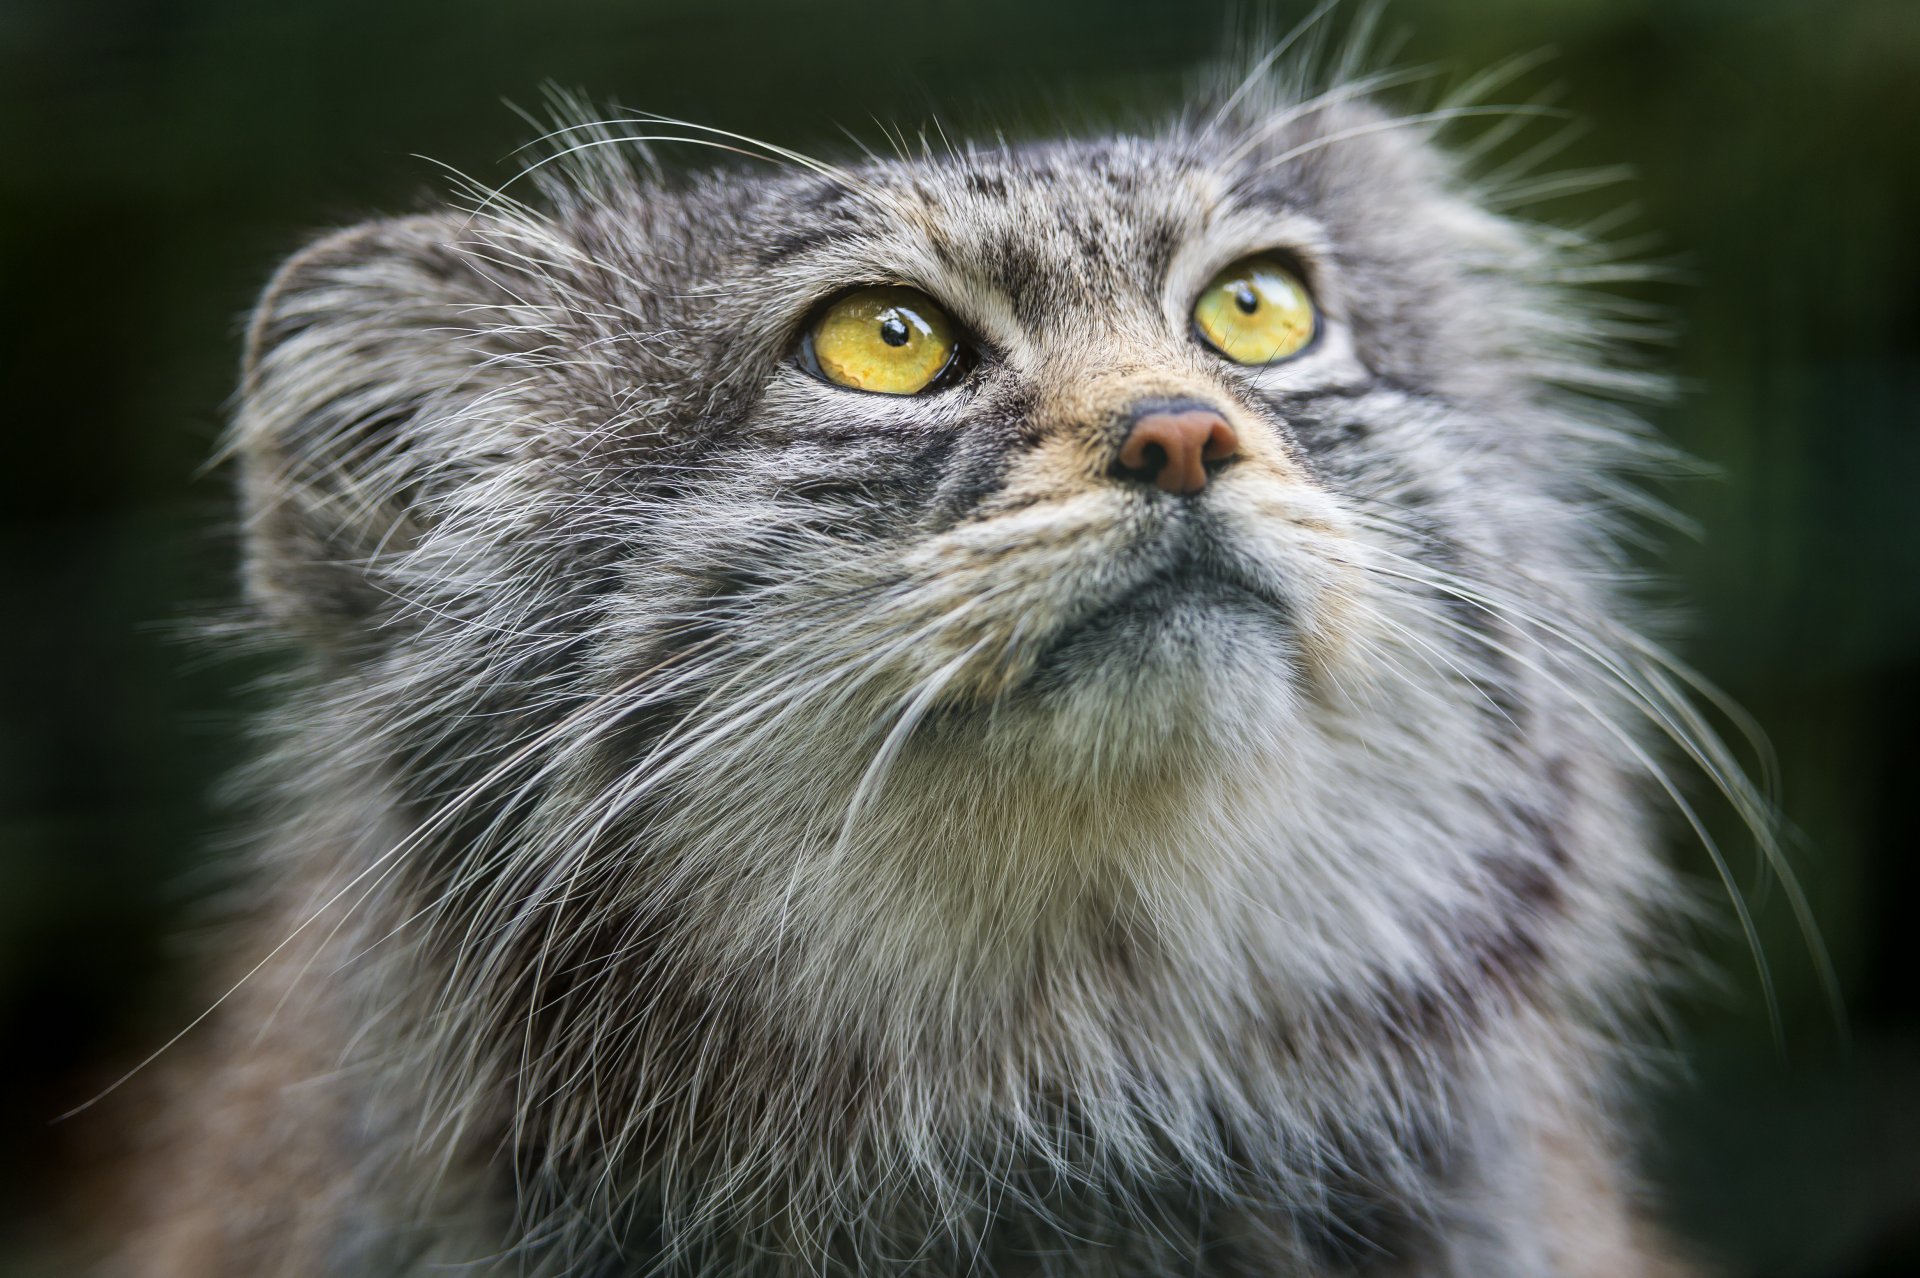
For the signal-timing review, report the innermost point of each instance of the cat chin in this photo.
(1201, 668)
(1227, 657)
(1180, 678)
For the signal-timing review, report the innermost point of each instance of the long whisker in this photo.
(1668, 711)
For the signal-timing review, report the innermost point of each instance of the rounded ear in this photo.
(362, 345)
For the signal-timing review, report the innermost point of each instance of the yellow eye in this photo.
(1256, 312)
(894, 341)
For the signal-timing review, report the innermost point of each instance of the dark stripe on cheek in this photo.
(981, 456)
(866, 483)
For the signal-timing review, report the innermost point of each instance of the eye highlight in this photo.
(890, 341)
(1256, 312)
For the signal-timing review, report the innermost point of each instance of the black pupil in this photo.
(1245, 298)
(893, 331)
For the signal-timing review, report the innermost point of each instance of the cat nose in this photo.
(1173, 445)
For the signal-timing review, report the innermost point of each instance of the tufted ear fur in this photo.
(363, 356)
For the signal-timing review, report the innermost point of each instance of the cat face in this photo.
(977, 547)
(992, 512)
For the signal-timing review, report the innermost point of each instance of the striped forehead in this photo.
(1054, 235)
(1046, 230)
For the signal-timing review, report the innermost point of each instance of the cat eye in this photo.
(891, 341)
(1256, 312)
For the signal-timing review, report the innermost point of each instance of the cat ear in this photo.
(361, 356)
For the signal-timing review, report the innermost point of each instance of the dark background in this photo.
(159, 157)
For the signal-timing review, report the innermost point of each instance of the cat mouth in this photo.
(1199, 599)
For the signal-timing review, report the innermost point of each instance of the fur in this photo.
(726, 823)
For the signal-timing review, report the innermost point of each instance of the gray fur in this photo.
(740, 825)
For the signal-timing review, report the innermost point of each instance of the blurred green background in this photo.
(159, 157)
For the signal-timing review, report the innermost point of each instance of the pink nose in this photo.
(1170, 447)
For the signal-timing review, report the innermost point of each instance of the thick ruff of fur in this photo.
(731, 824)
